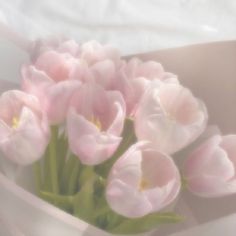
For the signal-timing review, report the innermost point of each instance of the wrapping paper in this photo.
(209, 70)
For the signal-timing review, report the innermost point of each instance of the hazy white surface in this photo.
(131, 25)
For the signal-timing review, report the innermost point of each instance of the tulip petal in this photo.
(4, 130)
(58, 99)
(159, 117)
(228, 143)
(211, 186)
(27, 144)
(126, 201)
(117, 111)
(149, 178)
(104, 72)
(86, 141)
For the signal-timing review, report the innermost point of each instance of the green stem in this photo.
(37, 176)
(84, 201)
(73, 180)
(87, 173)
(66, 173)
(47, 177)
(53, 160)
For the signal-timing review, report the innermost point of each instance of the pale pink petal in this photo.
(126, 201)
(211, 186)
(156, 118)
(86, 141)
(93, 52)
(163, 177)
(151, 70)
(95, 149)
(209, 171)
(228, 143)
(69, 46)
(28, 143)
(58, 99)
(56, 65)
(157, 168)
(199, 157)
(149, 178)
(35, 82)
(5, 130)
(12, 101)
(117, 111)
(80, 71)
(179, 103)
(104, 73)
(128, 168)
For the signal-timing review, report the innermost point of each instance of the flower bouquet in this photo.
(101, 133)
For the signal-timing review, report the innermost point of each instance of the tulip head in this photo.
(210, 169)
(169, 116)
(142, 181)
(24, 130)
(94, 123)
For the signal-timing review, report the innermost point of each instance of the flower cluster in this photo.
(123, 120)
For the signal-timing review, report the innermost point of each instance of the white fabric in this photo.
(134, 26)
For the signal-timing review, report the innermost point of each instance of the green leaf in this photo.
(63, 202)
(146, 223)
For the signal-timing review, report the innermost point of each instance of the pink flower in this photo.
(59, 68)
(93, 52)
(142, 181)
(169, 116)
(210, 169)
(53, 94)
(24, 131)
(150, 70)
(135, 77)
(95, 123)
(102, 63)
(55, 44)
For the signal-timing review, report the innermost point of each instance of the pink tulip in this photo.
(135, 76)
(93, 52)
(55, 44)
(142, 181)
(24, 131)
(95, 123)
(210, 169)
(169, 116)
(54, 95)
(150, 70)
(58, 68)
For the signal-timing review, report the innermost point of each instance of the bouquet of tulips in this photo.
(101, 133)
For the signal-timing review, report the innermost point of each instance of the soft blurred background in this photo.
(132, 25)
